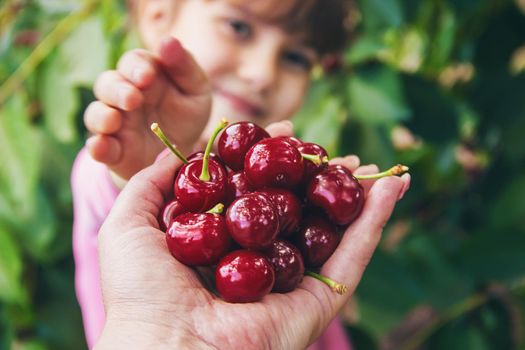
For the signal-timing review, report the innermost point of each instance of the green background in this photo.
(438, 85)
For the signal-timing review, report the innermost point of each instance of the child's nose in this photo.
(259, 70)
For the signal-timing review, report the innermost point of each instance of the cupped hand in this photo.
(152, 300)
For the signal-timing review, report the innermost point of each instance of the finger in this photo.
(138, 66)
(406, 185)
(141, 200)
(115, 91)
(181, 68)
(283, 128)
(105, 149)
(367, 170)
(351, 162)
(359, 242)
(100, 118)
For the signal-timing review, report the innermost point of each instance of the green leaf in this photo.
(20, 156)
(85, 53)
(77, 62)
(328, 118)
(443, 40)
(381, 14)
(376, 96)
(460, 338)
(365, 49)
(494, 256)
(11, 266)
(386, 293)
(508, 209)
(59, 100)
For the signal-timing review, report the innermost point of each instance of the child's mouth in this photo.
(241, 104)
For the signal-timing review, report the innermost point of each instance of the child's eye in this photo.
(242, 29)
(298, 59)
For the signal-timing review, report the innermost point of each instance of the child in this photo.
(244, 60)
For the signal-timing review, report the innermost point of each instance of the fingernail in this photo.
(171, 51)
(288, 123)
(123, 92)
(137, 75)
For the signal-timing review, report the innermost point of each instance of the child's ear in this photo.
(155, 19)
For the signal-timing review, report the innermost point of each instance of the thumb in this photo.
(181, 68)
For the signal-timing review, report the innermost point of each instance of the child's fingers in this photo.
(115, 91)
(139, 67)
(283, 128)
(100, 118)
(105, 149)
(182, 69)
(350, 162)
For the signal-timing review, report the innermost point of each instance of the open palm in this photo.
(144, 285)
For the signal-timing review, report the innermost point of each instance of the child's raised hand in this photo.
(169, 88)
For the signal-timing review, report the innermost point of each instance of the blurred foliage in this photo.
(438, 85)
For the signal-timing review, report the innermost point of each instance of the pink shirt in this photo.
(93, 197)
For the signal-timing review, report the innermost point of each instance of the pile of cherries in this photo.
(286, 209)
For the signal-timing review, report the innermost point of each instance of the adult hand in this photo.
(154, 301)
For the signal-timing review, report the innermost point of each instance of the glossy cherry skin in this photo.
(338, 192)
(252, 221)
(311, 169)
(274, 163)
(317, 239)
(244, 276)
(288, 264)
(200, 155)
(288, 209)
(198, 239)
(196, 195)
(294, 141)
(236, 186)
(171, 210)
(236, 140)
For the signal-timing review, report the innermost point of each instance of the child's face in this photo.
(258, 72)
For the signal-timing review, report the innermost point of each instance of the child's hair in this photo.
(325, 23)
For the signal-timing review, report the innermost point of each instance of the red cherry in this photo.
(252, 221)
(338, 192)
(244, 276)
(200, 155)
(294, 141)
(198, 239)
(317, 239)
(310, 168)
(195, 194)
(170, 211)
(236, 140)
(274, 163)
(236, 186)
(288, 209)
(288, 265)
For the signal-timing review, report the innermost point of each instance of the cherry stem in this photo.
(335, 286)
(395, 170)
(157, 130)
(217, 209)
(205, 173)
(315, 158)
